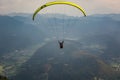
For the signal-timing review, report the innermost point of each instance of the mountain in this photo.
(73, 26)
(15, 34)
(91, 47)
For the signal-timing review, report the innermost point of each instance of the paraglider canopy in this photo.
(59, 2)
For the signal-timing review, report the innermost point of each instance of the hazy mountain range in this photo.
(91, 49)
(17, 34)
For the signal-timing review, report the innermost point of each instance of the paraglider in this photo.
(61, 44)
(58, 3)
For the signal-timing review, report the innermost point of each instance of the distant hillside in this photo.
(15, 34)
(75, 27)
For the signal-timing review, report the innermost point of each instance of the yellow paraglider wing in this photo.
(58, 2)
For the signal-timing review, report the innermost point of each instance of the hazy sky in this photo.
(90, 6)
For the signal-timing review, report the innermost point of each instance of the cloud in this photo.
(91, 6)
(108, 6)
